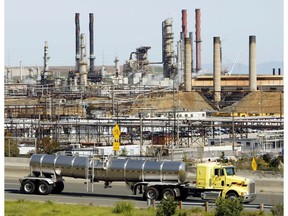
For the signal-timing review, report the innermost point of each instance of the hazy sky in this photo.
(122, 26)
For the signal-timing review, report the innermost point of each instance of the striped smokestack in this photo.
(198, 39)
(188, 77)
(83, 62)
(184, 23)
(217, 69)
(252, 64)
(77, 37)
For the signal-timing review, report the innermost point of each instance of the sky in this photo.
(122, 26)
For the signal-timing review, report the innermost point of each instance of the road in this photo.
(75, 191)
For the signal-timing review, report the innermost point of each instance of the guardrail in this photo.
(207, 205)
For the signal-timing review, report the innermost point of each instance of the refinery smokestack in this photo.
(77, 37)
(167, 48)
(252, 64)
(217, 69)
(191, 39)
(188, 77)
(91, 30)
(184, 23)
(46, 57)
(198, 40)
(46, 63)
(83, 61)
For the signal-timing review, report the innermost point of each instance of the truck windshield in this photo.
(230, 170)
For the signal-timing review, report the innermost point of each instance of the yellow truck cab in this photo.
(214, 179)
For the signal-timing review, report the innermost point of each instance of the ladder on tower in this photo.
(90, 174)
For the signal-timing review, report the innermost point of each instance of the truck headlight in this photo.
(243, 193)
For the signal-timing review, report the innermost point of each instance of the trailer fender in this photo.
(239, 191)
(36, 179)
(177, 192)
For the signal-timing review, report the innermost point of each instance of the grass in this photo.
(23, 207)
(50, 208)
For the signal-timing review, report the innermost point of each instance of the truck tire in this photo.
(59, 187)
(231, 195)
(151, 193)
(167, 193)
(44, 188)
(28, 187)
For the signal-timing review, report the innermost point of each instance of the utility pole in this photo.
(233, 130)
(141, 133)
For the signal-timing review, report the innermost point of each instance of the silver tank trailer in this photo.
(109, 170)
(70, 166)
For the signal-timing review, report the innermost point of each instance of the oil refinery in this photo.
(169, 108)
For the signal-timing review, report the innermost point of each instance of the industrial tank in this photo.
(109, 170)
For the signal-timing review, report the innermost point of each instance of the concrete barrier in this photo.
(17, 162)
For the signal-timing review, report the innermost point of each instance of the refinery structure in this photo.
(161, 103)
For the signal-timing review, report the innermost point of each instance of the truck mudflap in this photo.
(249, 198)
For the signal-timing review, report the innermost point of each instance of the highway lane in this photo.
(75, 191)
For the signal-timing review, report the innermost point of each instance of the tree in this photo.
(227, 207)
(124, 152)
(11, 148)
(266, 158)
(223, 158)
(47, 146)
(166, 207)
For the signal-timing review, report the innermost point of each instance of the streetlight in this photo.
(233, 128)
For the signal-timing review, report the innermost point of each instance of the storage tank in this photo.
(129, 170)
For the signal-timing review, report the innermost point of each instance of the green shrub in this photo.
(277, 210)
(196, 210)
(123, 207)
(254, 213)
(166, 207)
(228, 207)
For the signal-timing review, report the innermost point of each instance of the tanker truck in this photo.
(154, 179)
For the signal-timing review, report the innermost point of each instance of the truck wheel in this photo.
(151, 193)
(167, 193)
(59, 187)
(44, 188)
(28, 187)
(231, 195)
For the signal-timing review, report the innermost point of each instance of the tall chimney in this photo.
(46, 63)
(198, 40)
(252, 64)
(188, 81)
(77, 37)
(179, 61)
(273, 71)
(21, 71)
(46, 57)
(83, 61)
(91, 30)
(167, 48)
(191, 39)
(217, 69)
(184, 23)
(279, 71)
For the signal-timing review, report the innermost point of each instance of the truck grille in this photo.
(251, 187)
